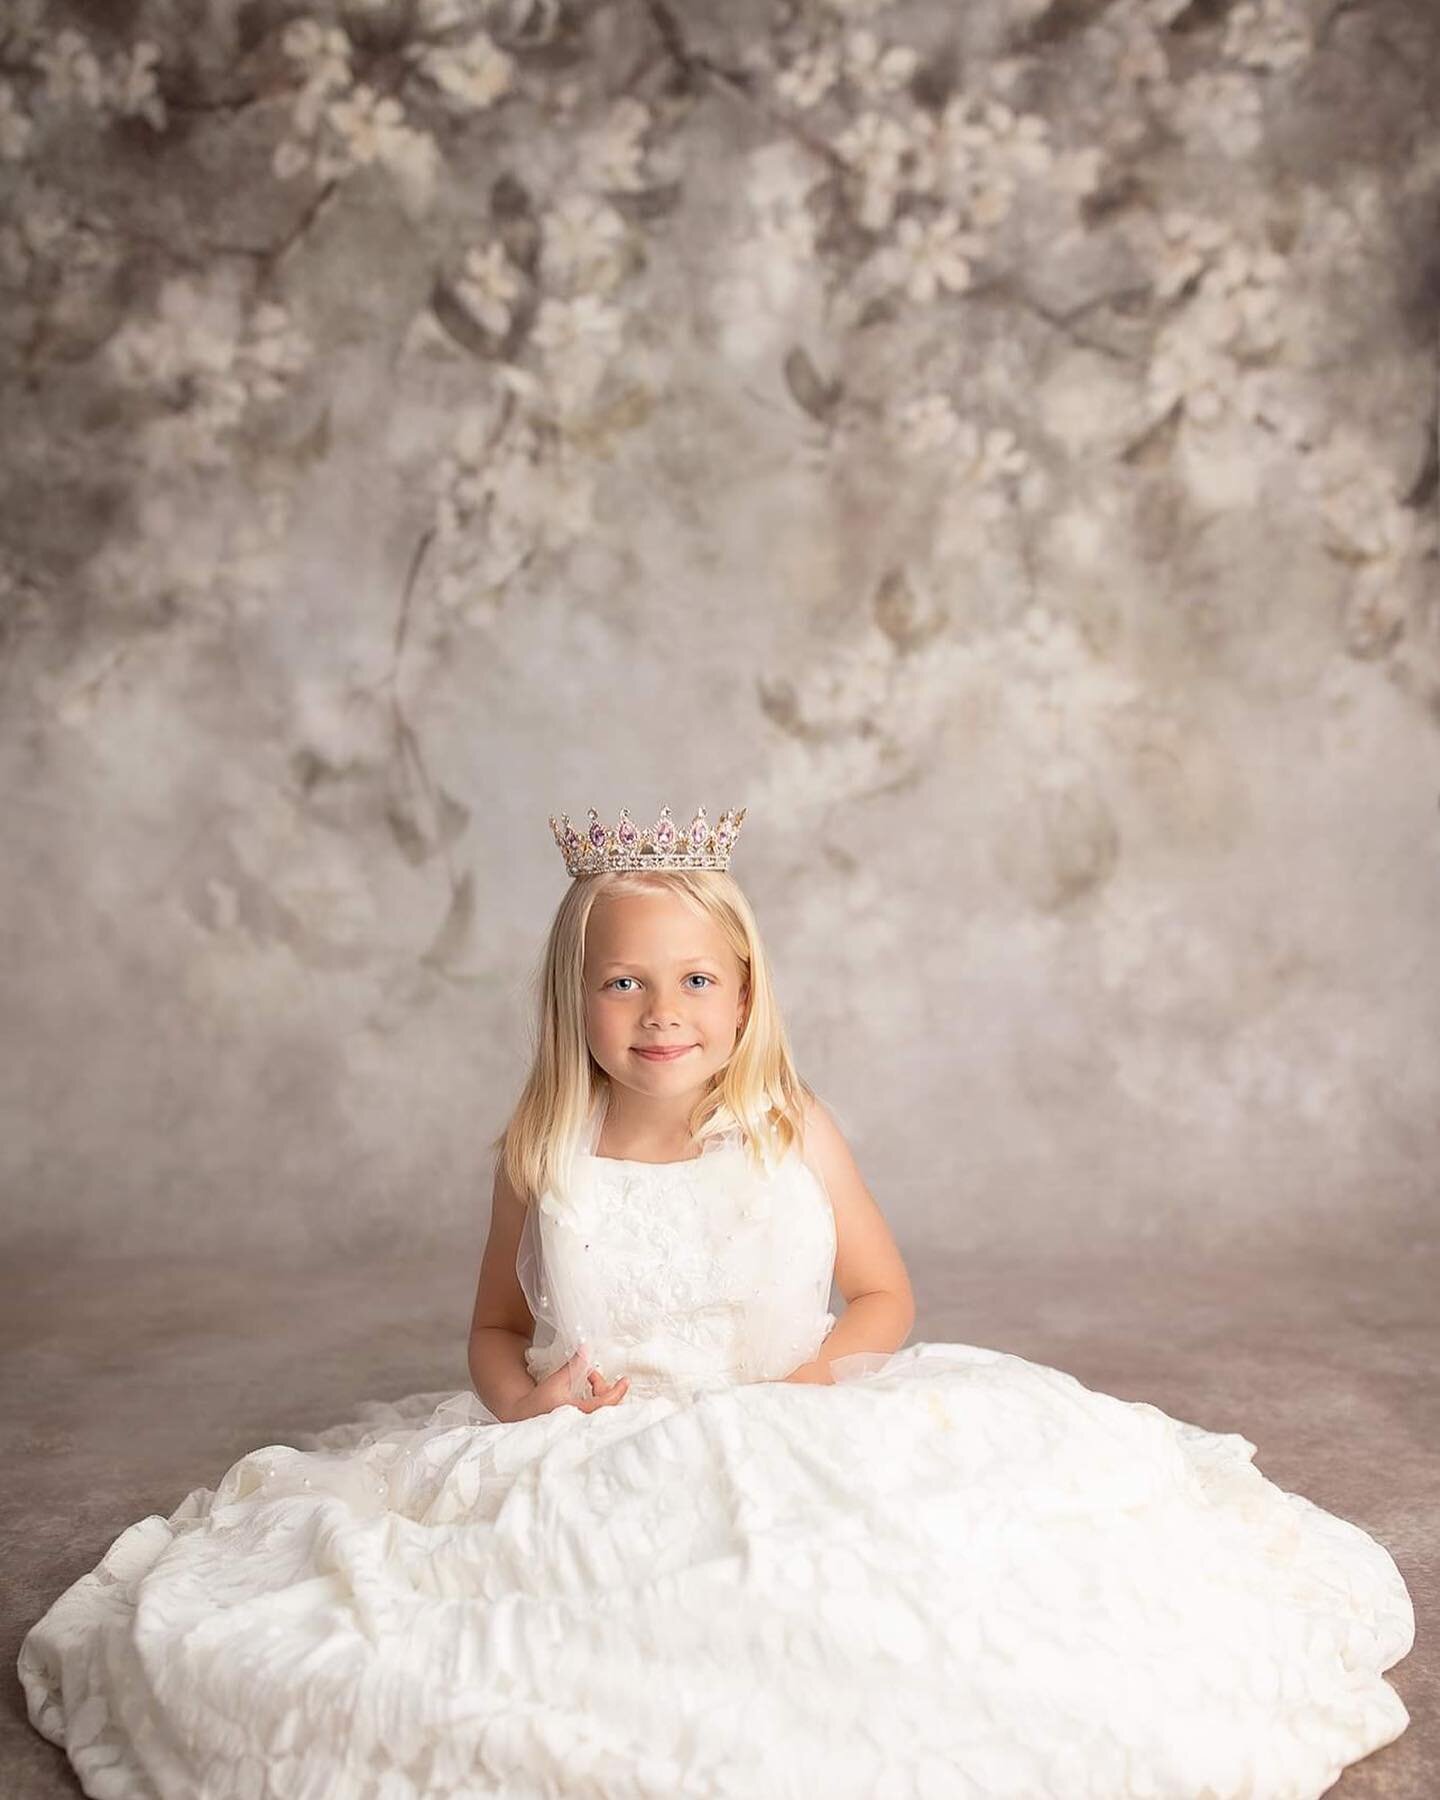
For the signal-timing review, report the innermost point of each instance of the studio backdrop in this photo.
(993, 443)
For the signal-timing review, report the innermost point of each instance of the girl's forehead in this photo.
(663, 924)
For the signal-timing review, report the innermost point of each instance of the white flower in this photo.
(928, 255)
(370, 125)
(322, 51)
(584, 326)
(489, 283)
(1365, 522)
(192, 334)
(16, 126)
(876, 69)
(72, 70)
(272, 350)
(47, 219)
(876, 147)
(1186, 246)
(1267, 34)
(999, 136)
(612, 157)
(1282, 402)
(1238, 300)
(435, 16)
(132, 89)
(805, 81)
(1222, 109)
(582, 236)
(997, 453)
(471, 75)
(579, 338)
(873, 146)
(1140, 58)
(290, 159)
(983, 149)
(923, 423)
(1190, 369)
(1376, 610)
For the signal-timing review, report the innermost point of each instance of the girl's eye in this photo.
(615, 980)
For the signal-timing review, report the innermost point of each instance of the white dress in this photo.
(955, 1573)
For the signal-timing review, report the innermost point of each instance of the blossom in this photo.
(876, 147)
(1267, 34)
(16, 126)
(1223, 108)
(489, 283)
(923, 423)
(581, 238)
(877, 69)
(612, 156)
(584, 326)
(1190, 369)
(927, 255)
(1186, 246)
(322, 51)
(366, 121)
(72, 70)
(132, 87)
(808, 78)
(471, 75)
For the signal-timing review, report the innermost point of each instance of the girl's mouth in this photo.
(666, 1055)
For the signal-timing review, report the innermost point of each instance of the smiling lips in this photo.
(667, 1054)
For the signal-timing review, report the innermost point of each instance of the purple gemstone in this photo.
(627, 833)
(597, 835)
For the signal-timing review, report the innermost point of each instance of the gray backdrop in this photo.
(994, 443)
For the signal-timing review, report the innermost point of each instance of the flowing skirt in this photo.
(954, 1573)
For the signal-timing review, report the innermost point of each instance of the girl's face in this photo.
(659, 975)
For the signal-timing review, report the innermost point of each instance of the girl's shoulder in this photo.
(822, 1146)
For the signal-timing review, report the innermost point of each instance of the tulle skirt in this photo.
(954, 1573)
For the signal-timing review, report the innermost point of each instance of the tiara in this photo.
(663, 846)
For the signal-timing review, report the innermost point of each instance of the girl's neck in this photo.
(634, 1129)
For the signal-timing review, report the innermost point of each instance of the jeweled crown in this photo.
(660, 846)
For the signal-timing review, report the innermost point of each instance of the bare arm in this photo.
(869, 1269)
(501, 1324)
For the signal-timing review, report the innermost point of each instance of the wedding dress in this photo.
(954, 1573)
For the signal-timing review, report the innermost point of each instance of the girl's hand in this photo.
(554, 1390)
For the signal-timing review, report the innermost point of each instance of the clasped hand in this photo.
(554, 1389)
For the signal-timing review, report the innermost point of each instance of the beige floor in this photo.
(125, 1386)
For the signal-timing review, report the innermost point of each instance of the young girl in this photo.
(691, 1533)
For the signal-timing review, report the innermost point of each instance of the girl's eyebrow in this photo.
(636, 965)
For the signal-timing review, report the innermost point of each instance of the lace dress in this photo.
(955, 1573)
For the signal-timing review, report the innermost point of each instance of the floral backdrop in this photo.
(995, 443)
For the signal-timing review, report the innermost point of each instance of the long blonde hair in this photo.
(758, 1092)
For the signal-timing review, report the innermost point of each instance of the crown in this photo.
(663, 846)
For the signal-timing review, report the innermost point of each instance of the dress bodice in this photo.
(681, 1275)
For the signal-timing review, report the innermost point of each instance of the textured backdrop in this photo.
(995, 443)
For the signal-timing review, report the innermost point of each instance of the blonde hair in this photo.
(757, 1092)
